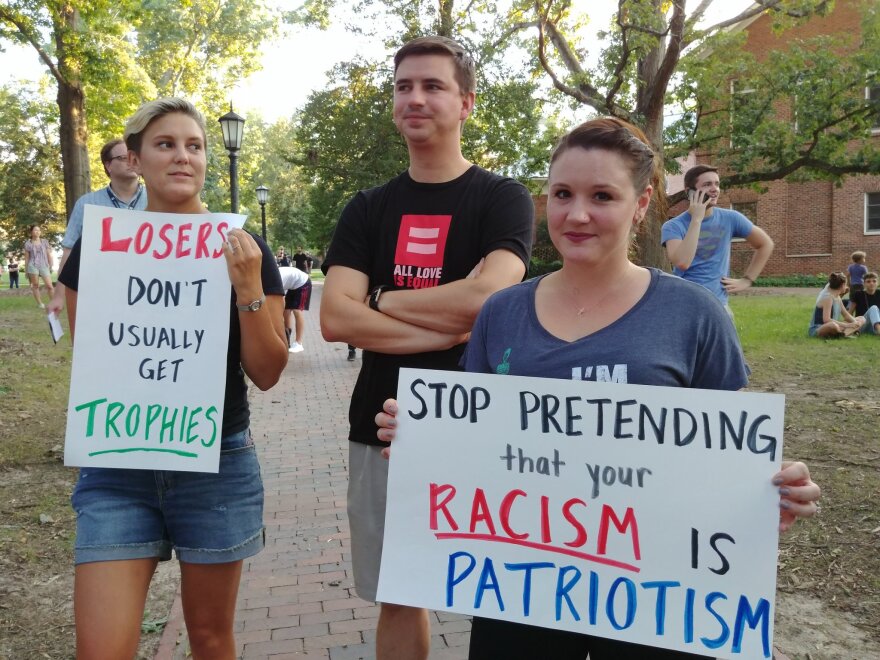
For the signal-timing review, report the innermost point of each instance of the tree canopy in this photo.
(31, 190)
(346, 140)
(106, 58)
(656, 56)
(660, 65)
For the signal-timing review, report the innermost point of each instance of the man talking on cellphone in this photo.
(698, 241)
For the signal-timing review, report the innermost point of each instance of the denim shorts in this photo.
(206, 518)
(41, 271)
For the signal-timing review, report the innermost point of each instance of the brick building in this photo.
(816, 225)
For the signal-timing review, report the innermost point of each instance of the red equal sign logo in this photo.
(422, 240)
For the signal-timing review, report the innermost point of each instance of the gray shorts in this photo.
(367, 489)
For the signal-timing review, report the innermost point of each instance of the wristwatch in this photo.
(374, 296)
(252, 307)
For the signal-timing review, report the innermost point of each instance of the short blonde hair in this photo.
(149, 112)
(858, 256)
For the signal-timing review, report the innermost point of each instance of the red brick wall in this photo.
(815, 225)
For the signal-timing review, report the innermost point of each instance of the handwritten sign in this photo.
(645, 514)
(152, 328)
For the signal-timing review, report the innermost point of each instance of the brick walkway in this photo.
(296, 598)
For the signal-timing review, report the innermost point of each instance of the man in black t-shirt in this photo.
(302, 260)
(410, 265)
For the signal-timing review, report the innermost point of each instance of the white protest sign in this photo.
(645, 514)
(152, 327)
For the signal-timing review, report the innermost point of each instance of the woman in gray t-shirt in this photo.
(627, 323)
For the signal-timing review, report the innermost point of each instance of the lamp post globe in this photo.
(262, 198)
(232, 126)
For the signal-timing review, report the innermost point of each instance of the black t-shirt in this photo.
(411, 235)
(236, 414)
(302, 261)
(863, 301)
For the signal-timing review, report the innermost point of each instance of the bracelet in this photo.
(373, 298)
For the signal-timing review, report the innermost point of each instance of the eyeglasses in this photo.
(125, 158)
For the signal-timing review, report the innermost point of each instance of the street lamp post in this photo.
(233, 130)
(262, 198)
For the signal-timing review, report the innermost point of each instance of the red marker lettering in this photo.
(202, 240)
(109, 245)
(183, 239)
(163, 236)
(435, 491)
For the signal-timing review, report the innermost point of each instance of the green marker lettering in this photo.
(153, 411)
(190, 436)
(168, 424)
(90, 423)
(182, 435)
(131, 427)
(114, 410)
(208, 414)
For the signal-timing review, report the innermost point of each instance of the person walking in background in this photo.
(410, 264)
(298, 292)
(12, 269)
(698, 241)
(282, 259)
(123, 192)
(855, 273)
(38, 264)
(830, 317)
(302, 260)
(129, 520)
(598, 309)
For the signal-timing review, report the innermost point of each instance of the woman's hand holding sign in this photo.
(243, 260)
(798, 494)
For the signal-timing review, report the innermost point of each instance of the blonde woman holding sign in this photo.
(602, 317)
(129, 520)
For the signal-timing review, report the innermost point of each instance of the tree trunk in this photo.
(73, 131)
(74, 139)
(649, 251)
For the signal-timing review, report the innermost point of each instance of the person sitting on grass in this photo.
(867, 303)
(829, 309)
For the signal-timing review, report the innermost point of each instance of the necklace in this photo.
(590, 308)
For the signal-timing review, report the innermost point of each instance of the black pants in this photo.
(496, 640)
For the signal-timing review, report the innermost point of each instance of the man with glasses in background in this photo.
(123, 192)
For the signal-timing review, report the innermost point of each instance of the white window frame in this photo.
(867, 205)
(754, 220)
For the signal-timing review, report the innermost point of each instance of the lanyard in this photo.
(118, 203)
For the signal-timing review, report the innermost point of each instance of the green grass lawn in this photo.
(773, 332)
